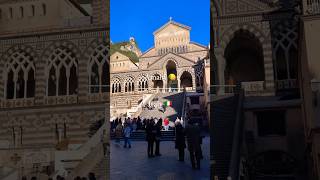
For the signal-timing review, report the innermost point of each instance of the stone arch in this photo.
(116, 84)
(265, 42)
(157, 80)
(143, 82)
(129, 83)
(25, 58)
(98, 69)
(244, 58)
(72, 84)
(229, 34)
(170, 59)
(186, 79)
(62, 64)
(171, 67)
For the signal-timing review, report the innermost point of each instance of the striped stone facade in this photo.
(255, 18)
(42, 122)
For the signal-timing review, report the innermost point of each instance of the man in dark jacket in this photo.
(150, 136)
(158, 128)
(180, 141)
(193, 139)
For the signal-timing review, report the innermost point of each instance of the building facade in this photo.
(256, 52)
(135, 75)
(46, 100)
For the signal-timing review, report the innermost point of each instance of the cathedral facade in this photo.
(134, 74)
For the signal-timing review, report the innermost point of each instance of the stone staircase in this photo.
(171, 112)
(89, 157)
(224, 115)
(141, 135)
(101, 169)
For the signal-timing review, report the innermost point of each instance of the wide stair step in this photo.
(141, 135)
(171, 112)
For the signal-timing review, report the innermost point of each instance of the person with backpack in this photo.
(127, 133)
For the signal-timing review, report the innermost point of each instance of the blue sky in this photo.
(140, 18)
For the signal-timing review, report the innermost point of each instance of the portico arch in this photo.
(157, 81)
(186, 80)
(244, 59)
(171, 68)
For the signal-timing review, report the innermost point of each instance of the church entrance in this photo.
(186, 80)
(171, 75)
(244, 59)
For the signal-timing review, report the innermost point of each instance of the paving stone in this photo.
(133, 164)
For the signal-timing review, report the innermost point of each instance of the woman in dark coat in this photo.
(150, 136)
(180, 140)
(158, 127)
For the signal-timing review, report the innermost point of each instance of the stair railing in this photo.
(88, 162)
(237, 136)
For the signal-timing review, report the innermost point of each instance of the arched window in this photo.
(99, 70)
(116, 85)
(21, 12)
(142, 83)
(44, 9)
(20, 81)
(128, 84)
(285, 47)
(10, 13)
(33, 10)
(63, 73)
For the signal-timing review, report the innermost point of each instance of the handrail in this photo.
(88, 162)
(235, 153)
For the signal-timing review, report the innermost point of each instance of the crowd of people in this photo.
(91, 176)
(185, 137)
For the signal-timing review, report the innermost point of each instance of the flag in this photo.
(167, 103)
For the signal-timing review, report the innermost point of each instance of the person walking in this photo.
(119, 132)
(193, 141)
(158, 128)
(166, 124)
(150, 136)
(127, 133)
(180, 142)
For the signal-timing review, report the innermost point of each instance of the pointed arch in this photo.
(19, 72)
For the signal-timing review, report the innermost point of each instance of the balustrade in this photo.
(12, 103)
